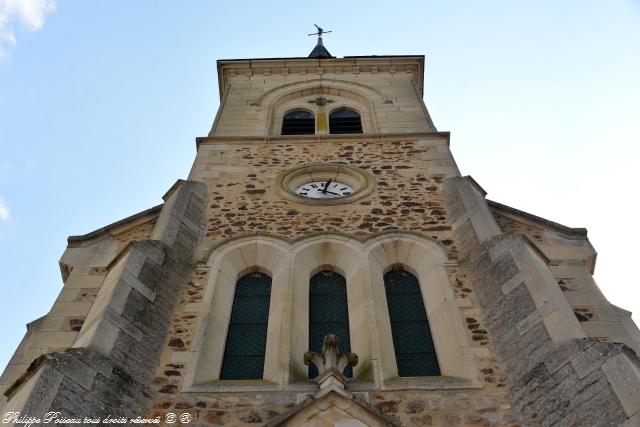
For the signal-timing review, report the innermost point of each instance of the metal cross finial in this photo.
(320, 32)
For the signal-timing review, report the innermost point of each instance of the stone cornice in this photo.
(306, 139)
(413, 64)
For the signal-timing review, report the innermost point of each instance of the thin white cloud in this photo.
(31, 14)
(5, 215)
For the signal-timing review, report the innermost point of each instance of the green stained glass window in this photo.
(328, 314)
(412, 341)
(247, 335)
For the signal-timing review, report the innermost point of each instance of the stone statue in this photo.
(330, 363)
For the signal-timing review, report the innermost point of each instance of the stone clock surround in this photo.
(363, 265)
(358, 179)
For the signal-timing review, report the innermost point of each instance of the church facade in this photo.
(325, 263)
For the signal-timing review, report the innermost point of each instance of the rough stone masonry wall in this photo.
(243, 198)
(109, 371)
(450, 408)
(554, 379)
(242, 201)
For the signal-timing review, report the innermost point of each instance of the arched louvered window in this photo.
(345, 121)
(328, 314)
(412, 341)
(298, 122)
(247, 336)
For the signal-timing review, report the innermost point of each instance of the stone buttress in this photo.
(110, 365)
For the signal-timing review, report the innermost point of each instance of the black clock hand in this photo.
(331, 192)
(324, 190)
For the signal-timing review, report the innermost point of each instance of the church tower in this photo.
(325, 263)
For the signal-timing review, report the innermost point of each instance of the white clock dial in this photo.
(328, 189)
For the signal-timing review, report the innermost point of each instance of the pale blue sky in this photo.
(100, 103)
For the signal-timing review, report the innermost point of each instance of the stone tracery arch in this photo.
(426, 260)
(227, 263)
(309, 257)
(291, 265)
(350, 95)
(372, 94)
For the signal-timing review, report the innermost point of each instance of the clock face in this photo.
(328, 189)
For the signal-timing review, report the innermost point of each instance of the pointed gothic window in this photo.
(247, 335)
(299, 122)
(328, 314)
(345, 121)
(412, 341)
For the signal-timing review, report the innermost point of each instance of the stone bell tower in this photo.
(327, 264)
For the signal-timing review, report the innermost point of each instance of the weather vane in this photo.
(320, 32)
